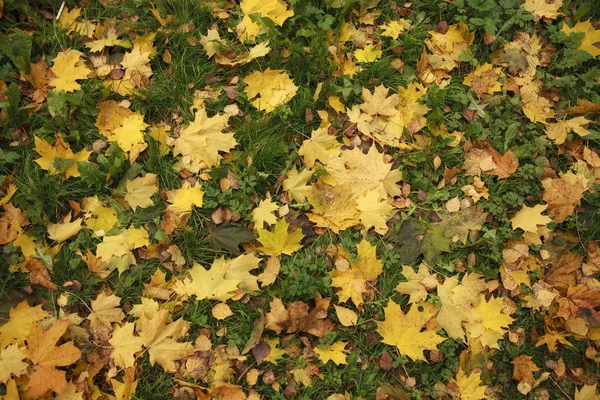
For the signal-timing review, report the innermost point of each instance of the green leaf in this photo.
(229, 237)
(430, 240)
(91, 174)
(18, 48)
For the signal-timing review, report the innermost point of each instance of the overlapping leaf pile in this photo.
(263, 199)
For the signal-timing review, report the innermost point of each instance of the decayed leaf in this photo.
(46, 356)
(524, 369)
(269, 275)
(405, 331)
(484, 80)
(280, 241)
(334, 207)
(221, 311)
(563, 195)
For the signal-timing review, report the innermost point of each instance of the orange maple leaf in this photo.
(46, 356)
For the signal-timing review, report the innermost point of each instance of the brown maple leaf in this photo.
(46, 356)
(563, 195)
(506, 165)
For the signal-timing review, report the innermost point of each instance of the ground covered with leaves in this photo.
(329, 199)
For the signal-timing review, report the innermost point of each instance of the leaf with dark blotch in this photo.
(229, 237)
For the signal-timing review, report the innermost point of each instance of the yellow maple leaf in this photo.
(21, 320)
(378, 102)
(558, 131)
(590, 38)
(64, 230)
(140, 191)
(346, 316)
(275, 10)
(334, 207)
(68, 69)
(201, 142)
(124, 345)
(417, 283)
(183, 200)
(321, 146)
(487, 322)
(105, 310)
(393, 29)
(280, 241)
(374, 210)
(457, 300)
(264, 213)
(352, 282)
(11, 362)
(59, 151)
(130, 133)
(296, 184)
(276, 352)
(405, 331)
(269, 89)
(160, 337)
(126, 389)
(364, 172)
(98, 217)
(239, 269)
(469, 387)
(528, 218)
(334, 353)
(68, 17)
(208, 284)
(587, 392)
(543, 9)
(368, 54)
(148, 306)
